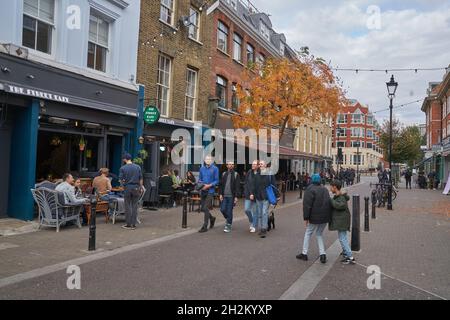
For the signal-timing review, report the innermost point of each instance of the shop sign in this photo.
(36, 93)
(151, 115)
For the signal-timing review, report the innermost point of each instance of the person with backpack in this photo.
(230, 185)
(316, 214)
(263, 180)
(340, 219)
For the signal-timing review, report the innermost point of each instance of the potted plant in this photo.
(82, 144)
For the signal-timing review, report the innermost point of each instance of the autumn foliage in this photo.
(286, 93)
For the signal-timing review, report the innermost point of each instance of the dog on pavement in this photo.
(271, 221)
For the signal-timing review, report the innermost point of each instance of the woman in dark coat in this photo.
(340, 219)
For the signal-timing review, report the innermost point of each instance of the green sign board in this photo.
(151, 115)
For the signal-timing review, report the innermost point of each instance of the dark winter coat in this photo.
(260, 183)
(340, 214)
(316, 204)
(235, 183)
(248, 184)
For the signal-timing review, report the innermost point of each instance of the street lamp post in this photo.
(392, 88)
(359, 160)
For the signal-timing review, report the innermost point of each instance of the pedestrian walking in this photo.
(408, 176)
(131, 178)
(230, 186)
(209, 178)
(316, 214)
(250, 201)
(340, 219)
(263, 179)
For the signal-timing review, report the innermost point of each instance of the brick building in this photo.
(174, 65)
(242, 36)
(436, 107)
(356, 130)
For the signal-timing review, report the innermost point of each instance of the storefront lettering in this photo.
(37, 94)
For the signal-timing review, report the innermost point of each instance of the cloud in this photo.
(413, 34)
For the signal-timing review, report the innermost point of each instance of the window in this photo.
(265, 31)
(316, 149)
(222, 37)
(233, 3)
(221, 91)
(341, 144)
(166, 14)
(370, 120)
(369, 133)
(357, 132)
(356, 143)
(304, 138)
(341, 132)
(357, 159)
(282, 48)
(194, 26)
(38, 23)
(357, 118)
(234, 99)
(191, 94)
(237, 47)
(250, 53)
(310, 139)
(342, 118)
(98, 43)
(369, 145)
(163, 94)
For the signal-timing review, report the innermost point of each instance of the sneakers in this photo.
(212, 221)
(323, 258)
(203, 229)
(302, 256)
(227, 228)
(348, 260)
(127, 227)
(252, 229)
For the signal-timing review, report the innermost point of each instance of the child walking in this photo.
(340, 219)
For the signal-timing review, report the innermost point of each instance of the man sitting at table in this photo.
(166, 186)
(103, 186)
(67, 188)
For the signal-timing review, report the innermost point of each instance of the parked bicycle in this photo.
(381, 193)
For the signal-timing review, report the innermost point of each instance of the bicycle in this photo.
(382, 192)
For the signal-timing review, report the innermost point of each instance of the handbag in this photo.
(271, 194)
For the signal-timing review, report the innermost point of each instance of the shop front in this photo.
(53, 122)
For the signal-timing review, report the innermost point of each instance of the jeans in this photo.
(310, 229)
(262, 214)
(226, 207)
(206, 203)
(344, 243)
(250, 211)
(131, 195)
(408, 182)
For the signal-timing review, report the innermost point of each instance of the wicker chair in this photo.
(52, 210)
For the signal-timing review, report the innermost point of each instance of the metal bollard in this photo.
(283, 189)
(92, 224)
(374, 202)
(184, 218)
(366, 214)
(301, 191)
(355, 246)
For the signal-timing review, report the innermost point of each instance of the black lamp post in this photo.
(392, 88)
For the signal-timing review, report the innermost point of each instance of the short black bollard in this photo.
(92, 224)
(366, 214)
(184, 218)
(283, 190)
(374, 202)
(301, 191)
(356, 224)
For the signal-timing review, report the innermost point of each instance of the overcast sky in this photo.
(411, 34)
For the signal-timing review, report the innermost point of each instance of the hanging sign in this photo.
(151, 115)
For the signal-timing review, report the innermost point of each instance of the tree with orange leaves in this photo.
(285, 93)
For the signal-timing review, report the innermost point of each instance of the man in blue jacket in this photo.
(209, 176)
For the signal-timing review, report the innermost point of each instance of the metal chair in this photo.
(52, 210)
(117, 212)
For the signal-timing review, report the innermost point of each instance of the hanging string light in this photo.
(416, 70)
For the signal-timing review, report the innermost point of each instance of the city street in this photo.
(408, 244)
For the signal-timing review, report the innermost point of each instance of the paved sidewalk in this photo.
(25, 252)
(409, 244)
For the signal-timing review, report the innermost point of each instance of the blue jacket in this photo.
(209, 176)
